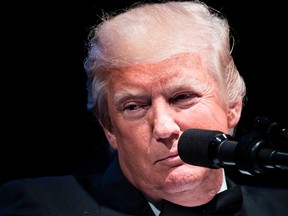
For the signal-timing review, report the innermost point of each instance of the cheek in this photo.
(204, 115)
(134, 153)
(132, 141)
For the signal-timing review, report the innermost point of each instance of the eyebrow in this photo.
(126, 94)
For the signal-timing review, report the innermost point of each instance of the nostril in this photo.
(169, 141)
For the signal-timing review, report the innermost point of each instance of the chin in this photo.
(185, 177)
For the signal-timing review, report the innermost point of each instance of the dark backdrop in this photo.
(45, 127)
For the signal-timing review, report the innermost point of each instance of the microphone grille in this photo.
(193, 146)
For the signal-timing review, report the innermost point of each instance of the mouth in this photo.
(172, 160)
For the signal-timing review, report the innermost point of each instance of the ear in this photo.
(234, 113)
(110, 137)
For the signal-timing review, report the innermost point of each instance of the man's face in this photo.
(150, 106)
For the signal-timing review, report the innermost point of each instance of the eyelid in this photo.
(128, 95)
(138, 112)
(185, 95)
(124, 102)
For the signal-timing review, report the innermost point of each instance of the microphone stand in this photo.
(272, 131)
(255, 155)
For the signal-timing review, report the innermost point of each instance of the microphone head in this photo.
(193, 147)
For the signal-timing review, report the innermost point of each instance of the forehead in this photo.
(179, 67)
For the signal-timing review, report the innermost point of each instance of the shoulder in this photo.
(39, 186)
(259, 200)
(261, 195)
(45, 195)
(53, 196)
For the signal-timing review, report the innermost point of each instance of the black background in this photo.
(46, 129)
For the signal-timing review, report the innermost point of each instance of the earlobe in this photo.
(234, 113)
(110, 137)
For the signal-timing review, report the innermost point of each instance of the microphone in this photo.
(273, 130)
(214, 149)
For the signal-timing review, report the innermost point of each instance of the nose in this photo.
(165, 122)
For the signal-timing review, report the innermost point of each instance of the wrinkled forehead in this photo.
(181, 70)
(189, 63)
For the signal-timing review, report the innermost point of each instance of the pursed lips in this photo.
(171, 160)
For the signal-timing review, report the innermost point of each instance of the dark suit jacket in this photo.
(111, 194)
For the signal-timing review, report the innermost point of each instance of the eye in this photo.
(184, 100)
(135, 110)
(183, 97)
(131, 107)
